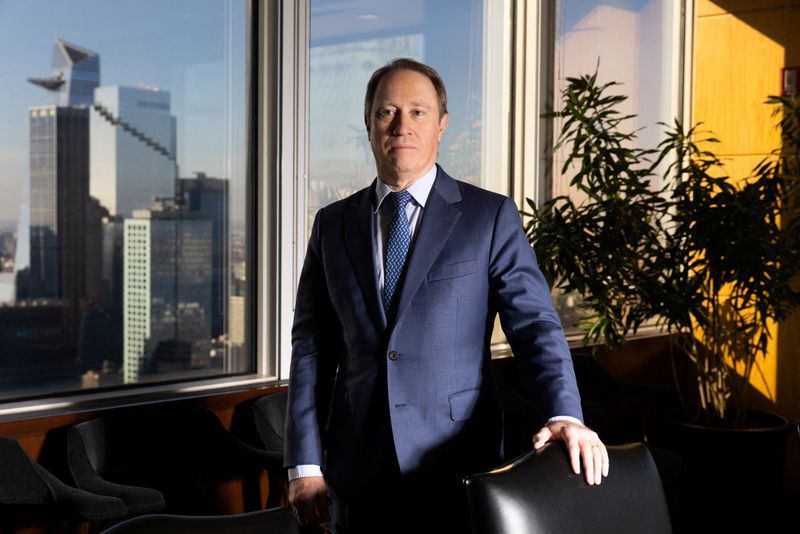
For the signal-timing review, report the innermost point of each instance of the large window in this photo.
(639, 45)
(153, 221)
(636, 43)
(463, 40)
(123, 157)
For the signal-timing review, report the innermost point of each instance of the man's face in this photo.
(405, 127)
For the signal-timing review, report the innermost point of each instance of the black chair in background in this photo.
(539, 494)
(797, 429)
(271, 521)
(260, 423)
(168, 460)
(30, 493)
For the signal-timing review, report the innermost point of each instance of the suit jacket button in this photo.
(393, 356)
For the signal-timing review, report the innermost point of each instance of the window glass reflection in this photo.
(635, 43)
(349, 40)
(122, 162)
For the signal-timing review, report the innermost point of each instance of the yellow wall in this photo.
(740, 48)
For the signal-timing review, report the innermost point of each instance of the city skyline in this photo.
(100, 155)
(186, 49)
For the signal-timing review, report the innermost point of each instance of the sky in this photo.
(192, 48)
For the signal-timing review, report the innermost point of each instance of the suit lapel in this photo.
(440, 217)
(358, 236)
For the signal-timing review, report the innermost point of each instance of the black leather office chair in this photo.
(797, 429)
(29, 492)
(539, 494)
(272, 521)
(259, 422)
(269, 413)
(166, 460)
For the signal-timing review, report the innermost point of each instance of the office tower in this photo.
(100, 340)
(207, 198)
(74, 74)
(133, 148)
(59, 157)
(167, 293)
(59, 183)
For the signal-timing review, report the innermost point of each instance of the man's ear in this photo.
(442, 125)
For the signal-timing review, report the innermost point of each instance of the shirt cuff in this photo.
(564, 418)
(302, 471)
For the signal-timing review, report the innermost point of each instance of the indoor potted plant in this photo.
(663, 235)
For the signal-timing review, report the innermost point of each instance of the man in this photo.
(391, 383)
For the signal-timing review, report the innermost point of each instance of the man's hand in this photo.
(582, 443)
(308, 497)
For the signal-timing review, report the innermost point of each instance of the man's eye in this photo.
(385, 112)
(418, 113)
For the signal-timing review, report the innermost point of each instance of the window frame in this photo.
(277, 179)
(262, 135)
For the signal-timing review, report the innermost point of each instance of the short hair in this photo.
(404, 63)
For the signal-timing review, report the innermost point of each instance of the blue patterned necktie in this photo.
(396, 247)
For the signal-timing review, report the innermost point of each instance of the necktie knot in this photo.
(401, 199)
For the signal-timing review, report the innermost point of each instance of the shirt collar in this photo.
(420, 190)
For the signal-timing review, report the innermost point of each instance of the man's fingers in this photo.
(308, 498)
(598, 463)
(588, 464)
(323, 508)
(541, 438)
(575, 457)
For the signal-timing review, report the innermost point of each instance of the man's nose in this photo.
(400, 124)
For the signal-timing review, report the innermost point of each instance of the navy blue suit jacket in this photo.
(421, 380)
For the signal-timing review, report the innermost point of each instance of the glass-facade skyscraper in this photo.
(74, 74)
(167, 293)
(206, 198)
(59, 184)
(133, 140)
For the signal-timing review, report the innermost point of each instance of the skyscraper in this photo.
(207, 198)
(59, 146)
(74, 74)
(167, 293)
(59, 182)
(133, 148)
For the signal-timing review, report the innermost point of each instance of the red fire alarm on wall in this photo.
(790, 81)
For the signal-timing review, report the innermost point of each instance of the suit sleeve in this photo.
(530, 322)
(315, 350)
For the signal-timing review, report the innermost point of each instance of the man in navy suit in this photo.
(391, 391)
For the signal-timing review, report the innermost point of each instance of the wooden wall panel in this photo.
(712, 7)
(740, 48)
(736, 68)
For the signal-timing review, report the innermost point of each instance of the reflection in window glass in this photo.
(122, 162)
(349, 40)
(635, 43)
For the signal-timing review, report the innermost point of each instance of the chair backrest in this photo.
(539, 494)
(270, 414)
(27, 485)
(272, 521)
(144, 439)
(19, 481)
(797, 429)
(182, 454)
